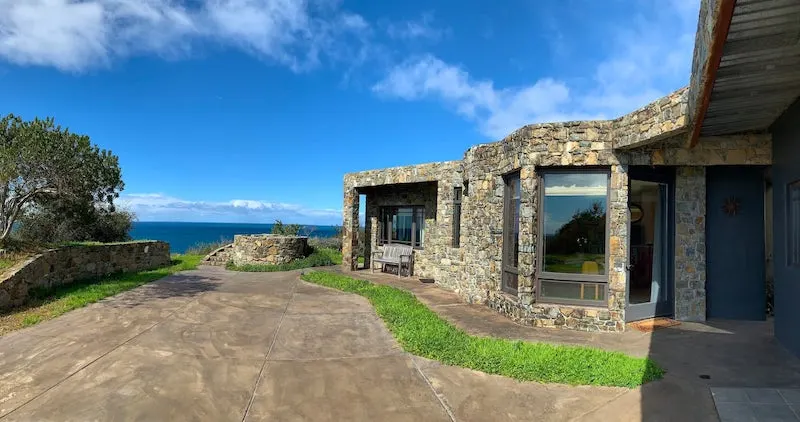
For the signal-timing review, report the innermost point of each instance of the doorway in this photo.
(651, 222)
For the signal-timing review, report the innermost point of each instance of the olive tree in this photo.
(42, 162)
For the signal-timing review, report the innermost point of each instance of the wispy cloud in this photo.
(74, 35)
(496, 110)
(160, 207)
(422, 28)
(649, 58)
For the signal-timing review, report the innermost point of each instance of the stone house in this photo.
(683, 208)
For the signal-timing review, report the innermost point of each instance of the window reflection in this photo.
(574, 223)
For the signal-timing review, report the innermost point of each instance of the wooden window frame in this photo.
(507, 225)
(384, 235)
(540, 246)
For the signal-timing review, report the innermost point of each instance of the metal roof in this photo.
(759, 73)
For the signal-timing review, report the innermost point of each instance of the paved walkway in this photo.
(696, 356)
(212, 345)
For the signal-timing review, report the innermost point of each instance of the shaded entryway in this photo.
(735, 283)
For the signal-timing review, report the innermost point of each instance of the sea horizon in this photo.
(181, 235)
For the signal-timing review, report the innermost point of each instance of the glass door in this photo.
(649, 275)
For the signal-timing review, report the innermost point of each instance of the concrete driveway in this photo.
(213, 345)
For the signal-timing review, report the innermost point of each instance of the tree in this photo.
(285, 229)
(585, 232)
(42, 162)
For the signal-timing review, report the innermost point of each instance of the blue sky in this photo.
(252, 110)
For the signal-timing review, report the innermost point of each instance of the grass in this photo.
(44, 304)
(321, 257)
(422, 332)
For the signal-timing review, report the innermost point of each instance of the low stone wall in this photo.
(268, 249)
(71, 263)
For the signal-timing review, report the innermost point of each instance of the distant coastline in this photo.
(181, 235)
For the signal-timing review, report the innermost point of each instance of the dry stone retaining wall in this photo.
(268, 249)
(64, 265)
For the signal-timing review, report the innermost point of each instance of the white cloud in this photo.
(497, 111)
(650, 58)
(74, 35)
(422, 28)
(159, 207)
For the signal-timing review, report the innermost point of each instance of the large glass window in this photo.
(405, 225)
(573, 224)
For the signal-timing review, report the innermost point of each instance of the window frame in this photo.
(508, 199)
(540, 242)
(458, 198)
(792, 226)
(384, 227)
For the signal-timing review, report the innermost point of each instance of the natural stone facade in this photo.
(64, 265)
(268, 249)
(652, 136)
(690, 243)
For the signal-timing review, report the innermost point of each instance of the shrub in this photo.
(69, 222)
(326, 243)
(285, 229)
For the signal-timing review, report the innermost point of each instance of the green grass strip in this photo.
(422, 332)
(44, 304)
(321, 257)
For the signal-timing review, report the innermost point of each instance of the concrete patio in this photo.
(216, 345)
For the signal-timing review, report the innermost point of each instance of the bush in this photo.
(205, 248)
(326, 243)
(285, 229)
(61, 223)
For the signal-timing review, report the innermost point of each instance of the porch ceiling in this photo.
(759, 72)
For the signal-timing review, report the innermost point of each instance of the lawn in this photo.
(422, 332)
(321, 257)
(47, 304)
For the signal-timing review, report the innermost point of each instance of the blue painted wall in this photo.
(785, 169)
(735, 244)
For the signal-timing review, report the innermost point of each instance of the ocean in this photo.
(182, 236)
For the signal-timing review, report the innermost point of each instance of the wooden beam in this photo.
(721, 28)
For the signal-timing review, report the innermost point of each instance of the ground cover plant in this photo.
(320, 257)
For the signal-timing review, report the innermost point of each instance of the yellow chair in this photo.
(590, 267)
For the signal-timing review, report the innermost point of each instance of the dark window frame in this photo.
(547, 276)
(458, 195)
(793, 224)
(507, 254)
(386, 226)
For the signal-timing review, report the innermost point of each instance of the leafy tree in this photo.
(41, 162)
(285, 229)
(585, 232)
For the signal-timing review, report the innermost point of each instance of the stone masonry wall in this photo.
(268, 249)
(64, 265)
(690, 243)
(654, 135)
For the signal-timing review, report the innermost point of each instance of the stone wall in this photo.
(690, 243)
(268, 249)
(64, 265)
(654, 135)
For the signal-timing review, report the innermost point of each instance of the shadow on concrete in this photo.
(717, 353)
(170, 289)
